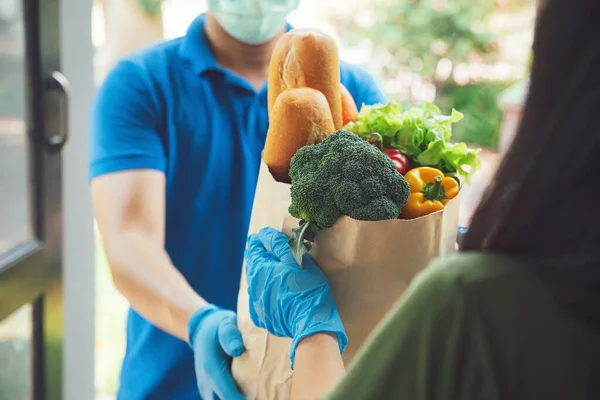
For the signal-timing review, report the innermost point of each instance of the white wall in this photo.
(78, 275)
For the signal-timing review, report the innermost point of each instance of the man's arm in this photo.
(362, 86)
(127, 170)
(130, 211)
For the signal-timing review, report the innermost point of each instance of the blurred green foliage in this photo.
(15, 371)
(12, 86)
(478, 102)
(152, 7)
(417, 34)
(511, 5)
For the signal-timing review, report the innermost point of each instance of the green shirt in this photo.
(477, 326)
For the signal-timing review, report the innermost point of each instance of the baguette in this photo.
(299, 117)
(306, 58)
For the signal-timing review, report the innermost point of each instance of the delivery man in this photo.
(177, 131)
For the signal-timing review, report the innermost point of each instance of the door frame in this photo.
(31, 273)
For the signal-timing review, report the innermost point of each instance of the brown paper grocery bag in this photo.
(369, 265)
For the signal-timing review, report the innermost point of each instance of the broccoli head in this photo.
(343, 175)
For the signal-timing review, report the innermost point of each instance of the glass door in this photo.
(34, 106)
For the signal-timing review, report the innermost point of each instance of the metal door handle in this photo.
(59, 83)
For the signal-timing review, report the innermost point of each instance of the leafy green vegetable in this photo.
(342, 175)
(422, 133)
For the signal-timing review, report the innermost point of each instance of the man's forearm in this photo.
(318, 367)
(144, 274)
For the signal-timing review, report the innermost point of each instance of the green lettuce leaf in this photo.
(422, 133)
(452, 158)
(383, 119)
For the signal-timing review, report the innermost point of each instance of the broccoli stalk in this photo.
(342, 175)
(302, 239)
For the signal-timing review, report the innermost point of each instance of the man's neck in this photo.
(248, 61)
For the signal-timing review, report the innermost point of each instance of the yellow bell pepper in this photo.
(430, 190)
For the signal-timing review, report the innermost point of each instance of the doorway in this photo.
(34, 128)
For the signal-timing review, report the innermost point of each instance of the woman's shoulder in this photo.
(457, 281)
(476, 276)
(435, 320)
(471, 269)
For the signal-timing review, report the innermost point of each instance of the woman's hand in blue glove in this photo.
(286, 300)
(215, 339)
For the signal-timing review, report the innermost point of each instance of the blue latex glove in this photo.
(460, 235)
(215, 339)
(285, 300)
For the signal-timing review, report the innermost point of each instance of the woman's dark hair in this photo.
(544, 202)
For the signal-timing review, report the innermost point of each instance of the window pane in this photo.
(14, 198)
(15, 355)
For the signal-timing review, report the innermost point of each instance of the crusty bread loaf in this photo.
(307, 58)
(298, 117)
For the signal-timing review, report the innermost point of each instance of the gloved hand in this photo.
(285, 300)
(215, 339)
(460, 234)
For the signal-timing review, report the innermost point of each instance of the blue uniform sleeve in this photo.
(361, 85)
(124, 126)
(369, 91)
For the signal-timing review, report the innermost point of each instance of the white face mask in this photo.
(252, 21)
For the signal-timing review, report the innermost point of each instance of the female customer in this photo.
(516, 313)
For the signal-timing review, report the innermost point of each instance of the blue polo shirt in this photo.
(171, 107)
